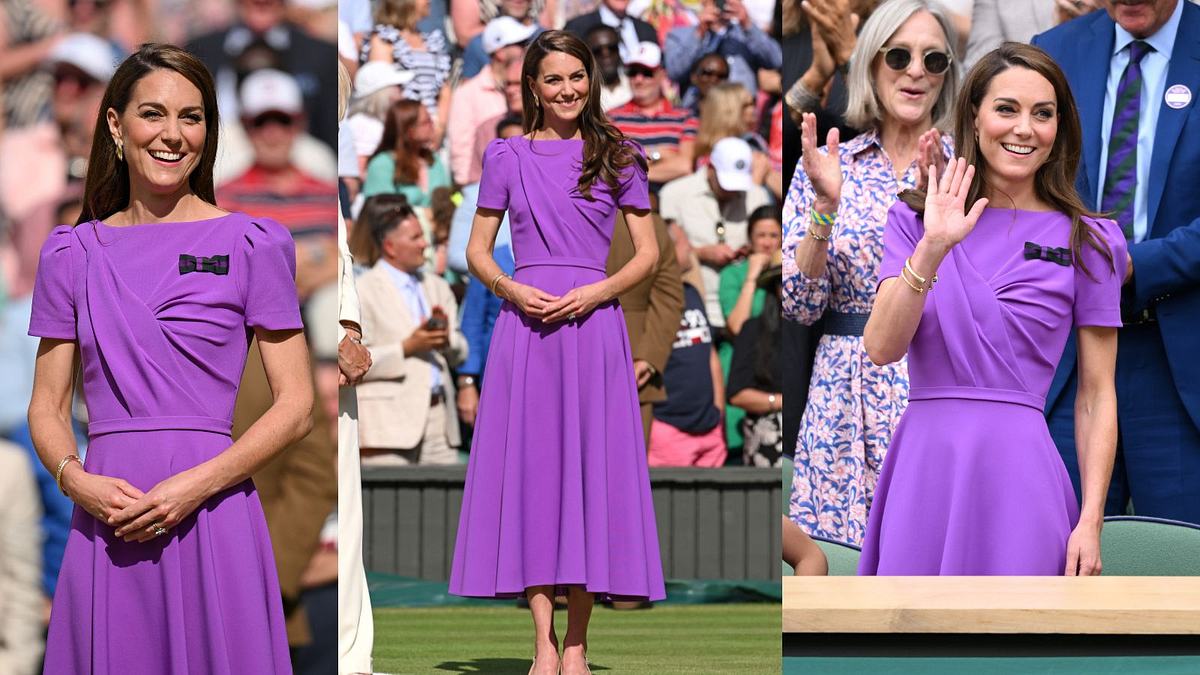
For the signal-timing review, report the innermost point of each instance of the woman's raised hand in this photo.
(946, 220)
(929, 151)
(824, 170)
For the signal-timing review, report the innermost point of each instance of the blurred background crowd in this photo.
(274, 65)
(697, 83)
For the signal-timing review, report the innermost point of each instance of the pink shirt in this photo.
(475, 101)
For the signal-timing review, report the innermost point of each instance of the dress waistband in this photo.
(112, 426)
(979, 394)
(845, 323)
(561, 261)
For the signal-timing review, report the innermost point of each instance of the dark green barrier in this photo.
(394, 591)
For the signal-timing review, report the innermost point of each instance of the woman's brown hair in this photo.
(605, 149)
(721, 115)
(106, 188)
(399, 121)
(380, 214)
(399, 13)
(1054, 182)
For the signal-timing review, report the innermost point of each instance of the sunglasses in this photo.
(272, 117)
(713, 72)
(634, 71)
(604, 49)
(74, 76)
(898, 58)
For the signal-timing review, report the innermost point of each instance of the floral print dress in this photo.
(853, 405)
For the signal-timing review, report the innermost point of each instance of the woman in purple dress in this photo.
(168, 566)
(557, 490)
(972, 483)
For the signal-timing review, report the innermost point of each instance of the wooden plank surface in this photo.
(1085, 605)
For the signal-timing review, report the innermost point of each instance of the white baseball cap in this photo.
(267, 90)
(504, 31)
(647, 54)
(375, 75)
(732, 159)
(91, 54)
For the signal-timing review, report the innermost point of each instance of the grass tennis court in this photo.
(713, 638)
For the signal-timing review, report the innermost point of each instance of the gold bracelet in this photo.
(495, 283)
(919, 289)
(63, 465)
(812, 233)
(927, 283)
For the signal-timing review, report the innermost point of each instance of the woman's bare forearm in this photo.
(896, 312)
(1096, 443)
(1095, 418)
(812, 257)
(50, 430)
(645, 256)
(49, 414)
(289, 419)
(633, 272)
(480, 248)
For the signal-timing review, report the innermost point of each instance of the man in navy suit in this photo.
(1135, 73)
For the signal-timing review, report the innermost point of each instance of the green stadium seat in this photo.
(1138, 546)
(842, 558)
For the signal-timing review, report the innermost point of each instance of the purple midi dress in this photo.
(557, 489)
(162, 314)
(972, 483)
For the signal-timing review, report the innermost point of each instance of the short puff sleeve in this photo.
(633, 189)
(267, 264)
(1098, 296)
(53, 312)
(493, 183)
(901, 234)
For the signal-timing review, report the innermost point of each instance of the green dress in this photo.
(382, 169)
(732, 279)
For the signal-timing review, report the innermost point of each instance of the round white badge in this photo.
(1177, 96)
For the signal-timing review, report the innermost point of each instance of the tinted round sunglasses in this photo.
(898, 58)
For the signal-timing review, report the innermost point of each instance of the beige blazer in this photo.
(393, 398)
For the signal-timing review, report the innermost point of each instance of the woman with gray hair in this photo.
(902, 80)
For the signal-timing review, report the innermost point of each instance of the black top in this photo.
(742, 371)
(797, 57)
(581, 24)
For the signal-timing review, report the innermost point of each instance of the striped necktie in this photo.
(1120, 175)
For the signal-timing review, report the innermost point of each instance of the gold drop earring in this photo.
(120, 150)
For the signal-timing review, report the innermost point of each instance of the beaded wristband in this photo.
(823, 218)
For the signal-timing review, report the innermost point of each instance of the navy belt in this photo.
(845, 323)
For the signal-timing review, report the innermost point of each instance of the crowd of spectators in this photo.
(696, 84)
(273, 62)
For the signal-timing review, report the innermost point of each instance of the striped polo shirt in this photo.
(303, 204)
(665, 125)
